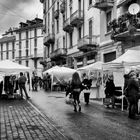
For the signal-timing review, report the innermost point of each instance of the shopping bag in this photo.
(107, 101)
(69, 99)
(86, 91)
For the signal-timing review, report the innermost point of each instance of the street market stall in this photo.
(8, 70)
(119, 66)
(94, 72)
(59, 75)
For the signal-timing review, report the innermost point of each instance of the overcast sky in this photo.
(12, 12)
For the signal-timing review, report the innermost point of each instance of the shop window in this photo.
(109, 56)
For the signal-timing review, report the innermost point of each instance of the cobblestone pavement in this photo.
(19, 120)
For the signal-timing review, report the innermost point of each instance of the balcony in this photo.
(77, 18)
(62, 7)
(126, 27)
(56, 14)
(87, 43)
(123, 2)
(59, 53)
(36, 56)
(49, 39)
(104, 4)
(67, 27)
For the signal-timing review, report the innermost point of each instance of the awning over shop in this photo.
(129, 58)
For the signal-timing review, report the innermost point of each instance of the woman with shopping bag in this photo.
(76, 86)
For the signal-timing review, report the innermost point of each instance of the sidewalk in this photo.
(19, 120)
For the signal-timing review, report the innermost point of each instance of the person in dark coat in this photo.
(76, 85)
(86, 83)
(133, 94)
(110, 89)
(1, 88)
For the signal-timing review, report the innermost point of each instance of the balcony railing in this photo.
(56, 14)
(67, 27)
(49, 39)
(125, 27)
(104, 4)
(88, 43)
(62, 7)
(59, 53)
(77, 18)
(123, 2)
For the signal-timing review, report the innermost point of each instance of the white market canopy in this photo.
(128, 59)
(94, 66)
(8, 67)
(60, 73)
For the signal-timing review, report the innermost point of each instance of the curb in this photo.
(44, 116)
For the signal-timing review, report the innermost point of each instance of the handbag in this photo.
(86, 91)
(107, 101)
(77, 89)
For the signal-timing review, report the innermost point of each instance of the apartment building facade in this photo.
(71, 32)
(24, 44)
(119, 31)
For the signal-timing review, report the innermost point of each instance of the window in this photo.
(7, 51)
(57, 25)
(19, 53)
(26, 34)
(19, 35)
(13, 50)
(64, 42)
(108, 19)
(90, 2)
(20, 62)
(35, 52)
(27, 53)
(35, 32)
(48, 51)
(35, 42)
(35, 64)
(109, 56)
(27, 63)
(79, 32)
(57, 5)
(1, 51)
(70, 40)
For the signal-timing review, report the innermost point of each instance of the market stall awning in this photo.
(7, 67)
(129, 58)
(94, 66)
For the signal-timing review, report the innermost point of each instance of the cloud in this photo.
(12, 12)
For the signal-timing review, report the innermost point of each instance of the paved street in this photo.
(46, 116)
(21, 121)
(95, 122)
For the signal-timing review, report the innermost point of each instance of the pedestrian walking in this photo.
(110, 90)
(133, 94)
(21, 81)
(86, 83)
(76, 86)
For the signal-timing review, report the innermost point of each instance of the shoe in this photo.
(79, 108)
(75, 109)
(28, 97)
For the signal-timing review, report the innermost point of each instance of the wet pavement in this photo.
(19, 120)
(46, 116)
(95, 122)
